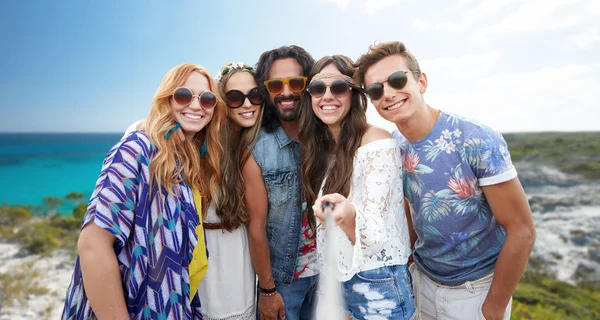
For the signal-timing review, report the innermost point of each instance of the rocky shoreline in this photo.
(566, 212)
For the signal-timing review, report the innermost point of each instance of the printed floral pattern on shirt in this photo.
(306, 263)
(458, 237)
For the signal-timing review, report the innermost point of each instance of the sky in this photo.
(93, 66)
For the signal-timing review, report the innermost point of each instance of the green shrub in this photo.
(79, 211)
(539, 296)
(14, 215)
(41, 234)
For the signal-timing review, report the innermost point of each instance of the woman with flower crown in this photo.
(228, 290)
(141, 249)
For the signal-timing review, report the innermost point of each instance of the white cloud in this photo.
(450, 26)
(481, 11)
(341, 3)
(372, 6)
(515, 83)
(546, 99)
(462, 66)
(508, 17)
(537, 15)
(486, 9)
(420, 24)
(586, 38)
(549, 98)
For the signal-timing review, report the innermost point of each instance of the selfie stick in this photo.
(332, 294)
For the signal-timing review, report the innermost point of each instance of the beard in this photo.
(287, 114)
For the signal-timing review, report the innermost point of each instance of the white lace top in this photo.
(382, 237)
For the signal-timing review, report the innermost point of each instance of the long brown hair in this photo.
(320, 150)
(231, 206)
(174, 157)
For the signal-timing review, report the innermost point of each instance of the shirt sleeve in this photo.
(488, 156)
(403, 145)
(372, 201)
(113, 202)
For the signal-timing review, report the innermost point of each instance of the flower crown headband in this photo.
(228, 68)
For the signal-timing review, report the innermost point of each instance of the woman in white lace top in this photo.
(358, 168)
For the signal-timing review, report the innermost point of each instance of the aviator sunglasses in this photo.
(184, 97)
(338, 88)
(396, 80)
(236, 98)
(296, 84)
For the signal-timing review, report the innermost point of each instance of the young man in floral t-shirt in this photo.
(473, 225)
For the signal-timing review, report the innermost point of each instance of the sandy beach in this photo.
(48, 275)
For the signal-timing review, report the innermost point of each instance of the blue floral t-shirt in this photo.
(459, 239)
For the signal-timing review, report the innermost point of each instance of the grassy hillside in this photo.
(572, 152)
(539, 296)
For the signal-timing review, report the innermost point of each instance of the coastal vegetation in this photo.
(40, 233)
(43, 230)
(36, 234)
(573, 152)
(538, 296)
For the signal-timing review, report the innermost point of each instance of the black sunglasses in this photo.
(396, 80)
(338, 88)
(236, 98)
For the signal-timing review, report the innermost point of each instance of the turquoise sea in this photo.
(36, 165)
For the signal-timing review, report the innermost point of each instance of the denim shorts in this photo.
(382, 293)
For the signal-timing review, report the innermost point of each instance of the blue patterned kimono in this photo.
(155, 236)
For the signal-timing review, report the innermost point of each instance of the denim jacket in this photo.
(278, 156)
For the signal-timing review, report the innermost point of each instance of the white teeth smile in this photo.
(247, 115)
(287, 103)
(329, 108)
(396, 106)
(191, 116)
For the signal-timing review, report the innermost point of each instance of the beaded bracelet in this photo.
(268, 294)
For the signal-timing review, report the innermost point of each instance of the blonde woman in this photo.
(141, 227)
(228, 290)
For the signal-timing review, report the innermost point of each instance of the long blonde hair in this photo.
(179, 161)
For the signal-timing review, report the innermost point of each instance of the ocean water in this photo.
(36, 165)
